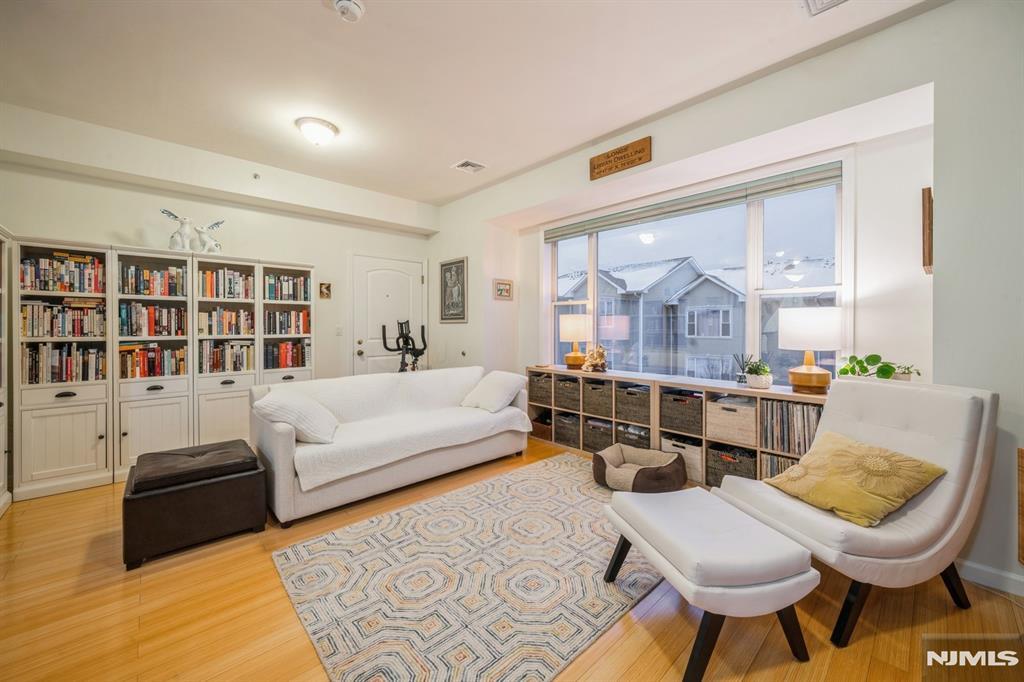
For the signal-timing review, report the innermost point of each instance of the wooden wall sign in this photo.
(620, 158)
(926, 229)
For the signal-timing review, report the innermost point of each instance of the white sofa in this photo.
(394, 430)
(946, 425)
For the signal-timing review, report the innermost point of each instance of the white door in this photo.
(386, 292)
(152, 425)
(223, 416)
(63, 441)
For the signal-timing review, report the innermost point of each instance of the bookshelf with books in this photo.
(287, 322)
(226, 333)
(152, 324)
(5, 391)
(62, 365)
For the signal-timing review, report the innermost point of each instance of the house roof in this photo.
(633, 278)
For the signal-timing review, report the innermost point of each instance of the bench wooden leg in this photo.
(852, 606)
(618, 556)
(795, 637)
(956, 588)
(703, 645)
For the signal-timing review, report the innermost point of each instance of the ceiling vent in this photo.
(467, 166)
(816, 7)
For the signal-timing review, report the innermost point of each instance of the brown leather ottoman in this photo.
(182, 497)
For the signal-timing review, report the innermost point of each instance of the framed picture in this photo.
(325, 289)
(454, 302)
(503, 290)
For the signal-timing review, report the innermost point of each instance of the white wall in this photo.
(893, 311)
(973, 52)
(53, 205)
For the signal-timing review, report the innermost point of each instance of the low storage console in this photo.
(719, 427)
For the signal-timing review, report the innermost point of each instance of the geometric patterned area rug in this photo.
(500, 580)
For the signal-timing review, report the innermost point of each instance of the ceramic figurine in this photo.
(181, 239)
(207, 244)
(596, 360)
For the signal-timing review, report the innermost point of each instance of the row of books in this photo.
(286, 322)
(221, 321)
(225, 283)
(773, 465)
(788, 426)
(150, 360)
(226, 356)
(285, 287)
(287, 354)
(63, 272)
(52, 363)
(171, 281)
(72, 317)
(139, 319)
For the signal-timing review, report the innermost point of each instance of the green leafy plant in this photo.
(868, 366)
(757, 367)
(907, 369)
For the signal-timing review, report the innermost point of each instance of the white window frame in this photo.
(722, 310)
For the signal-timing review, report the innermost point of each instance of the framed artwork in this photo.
(503, 290)
(454, 302)
(325, 289)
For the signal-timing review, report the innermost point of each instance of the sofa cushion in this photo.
(902, 533)
(313, 423)
(157, 470)
(710, 542)
(495, 391)
(370, 443)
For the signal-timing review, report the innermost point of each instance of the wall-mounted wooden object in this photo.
(926, 229)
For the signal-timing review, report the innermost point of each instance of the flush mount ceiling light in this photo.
(646, 238)
(316, 130)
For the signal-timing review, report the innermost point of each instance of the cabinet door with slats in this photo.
(153, 425)
(63, 441)
(223, 416)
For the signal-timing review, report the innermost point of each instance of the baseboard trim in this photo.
(991, 577)
(5, 501)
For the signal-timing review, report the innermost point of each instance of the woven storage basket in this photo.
(597, 397)
(733, 419)
(567, 393)
(597, 435)
(540, 388)
(633, 402)
(682, 411)
(724, 461)
(693, 455)
(636, 436)
(541, 430)
(567, 430)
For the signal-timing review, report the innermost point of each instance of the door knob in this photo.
(360, 342)
(359, 352)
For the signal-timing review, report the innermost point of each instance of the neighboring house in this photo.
(691, 321)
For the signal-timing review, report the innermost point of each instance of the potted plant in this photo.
(905, 372)
(759, 374)
(874, 366)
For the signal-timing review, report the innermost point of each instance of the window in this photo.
(668, 284)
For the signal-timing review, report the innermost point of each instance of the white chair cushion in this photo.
(313, 423)
(902, 533)
(495, 391)
(710, 542)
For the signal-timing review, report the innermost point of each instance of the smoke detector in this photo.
(350, 10)
(816, 7)
(467, 166)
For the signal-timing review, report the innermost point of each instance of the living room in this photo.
(635, 246)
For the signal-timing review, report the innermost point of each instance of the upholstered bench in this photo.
(178, 498)
(718, 558)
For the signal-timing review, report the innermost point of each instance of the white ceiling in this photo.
(415, 86)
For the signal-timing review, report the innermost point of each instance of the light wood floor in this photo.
(69, 611)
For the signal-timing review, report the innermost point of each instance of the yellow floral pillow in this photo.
(859, 482)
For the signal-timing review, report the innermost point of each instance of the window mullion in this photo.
(755, 277)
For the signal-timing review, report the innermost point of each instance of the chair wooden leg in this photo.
(956, 588)
(618, 556)
(848, 615)
(795, 637)
(700, 655)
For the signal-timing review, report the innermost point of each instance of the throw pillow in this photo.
(495, 391)
(313, 423)
(858, 482)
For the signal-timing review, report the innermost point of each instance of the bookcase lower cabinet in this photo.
(62, 448)
(152, 414)
(222, 408)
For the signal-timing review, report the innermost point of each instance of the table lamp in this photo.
(574, 328)
(810, 329)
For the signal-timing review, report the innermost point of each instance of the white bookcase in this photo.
(152, 372)
(61, 421)
(5, 397)
(76, 434)
(287, 292)
(227, 357)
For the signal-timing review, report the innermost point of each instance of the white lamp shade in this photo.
(810, 328)
(573, 328)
